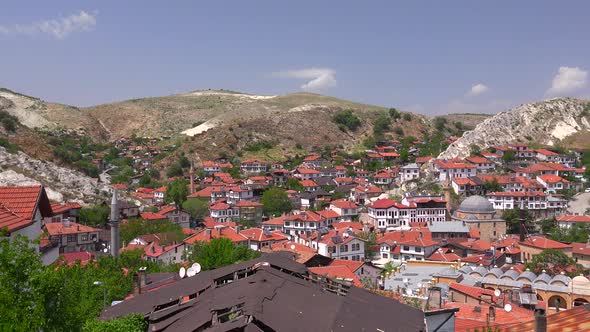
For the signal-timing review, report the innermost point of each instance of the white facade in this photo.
(409, 172)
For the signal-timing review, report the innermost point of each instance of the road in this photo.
(580, 204)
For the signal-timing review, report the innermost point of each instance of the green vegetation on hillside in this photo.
(346, 119)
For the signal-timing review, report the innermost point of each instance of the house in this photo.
(448, 231)
(179, 217)
(210, 167)
(553, 183)
(223, 232)
(518, 200)
(442, 255)
(568, 220)
(482, 164)
(70, 236)
(464, 186)
(423, 160)
(260, 238)
(386, 214)
(581, 253)
(275, 224)
(534, 245)
(548, 156)
(338, 272)
(363, 193)
(306, 173)
(345, 208)
(250, 211)
(303, 223)
(22, 208)
(338, 244)
(253, 166)
(165, 248)
(314, 160)
(447, 170)
(223, 212)
(386, 177)
(309, 185)
(409, 172)
(63, 211)
(406, 245)
(159, 194)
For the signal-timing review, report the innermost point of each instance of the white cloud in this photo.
(567, 81)
(319, 78)
(477, 90)
(57, 28)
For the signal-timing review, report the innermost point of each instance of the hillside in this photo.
(36, 113)
(559, 121)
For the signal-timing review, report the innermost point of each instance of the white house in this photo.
(253, 166)
(409, 172)
(553, 183)
(567, 221)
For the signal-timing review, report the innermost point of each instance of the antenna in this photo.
(508, 307)
(182, 272)
(196, 267)
(190, 272)
(497, 292)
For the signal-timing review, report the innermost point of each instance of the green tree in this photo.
(509, 156)
(407, 116)
(394, 114)
(492, 186)
(512, 218)
(554, 261)
(176, 192)
(370, 243)
(380, 125)
(174, 170)
(275, 202)
(220, 252)
(548, 225)
(130, 323)
(198, 208)
(135, 227)
(294, 184)
(474, 150)
(440, 123)
(21, 286)
(95, 216)
(576, 233)
(347, 119)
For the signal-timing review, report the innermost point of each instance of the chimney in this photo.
(208, 232)
(540, 320)
(192, 174)
(115, 238)
(141, 278)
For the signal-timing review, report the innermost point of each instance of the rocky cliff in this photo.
(62, 184)
(548, 122)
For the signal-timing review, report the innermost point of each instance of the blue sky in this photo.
(431, 57)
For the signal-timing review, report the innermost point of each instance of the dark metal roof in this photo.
(273, 297)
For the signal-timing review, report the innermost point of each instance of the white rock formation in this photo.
(61, 183)
(545, 122)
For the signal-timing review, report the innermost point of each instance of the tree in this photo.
(294, 184)
(512, 218)
(381, 124)
(198, 208)
(440, 123)
(174, 170)
(21, 286)
(370, 242)
(135, 227)
(130, 323)
(176, 192)
(275, 202)
(220, 252)
(474, 150)
(347, 119)
(509, 156)
(548, 225)
(407, 116)
(554, 262)
(95, 216)
(394, 114)
(493, 186)
(576, 233)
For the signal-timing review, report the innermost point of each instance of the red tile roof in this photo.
(152, 216)
(257, 234)
(477, 245)
(441, 256)
(58, 228)
(474, 292)
(464, 181)
(308, 183)
(385, 203)
(61, 208)
(343, 225)
(328, 214)
(344, 204)
(478, 160)
(573, 218)
(422, 160)
(207, 235)
(544, 243)
(550, 178)
(18, 206)
(276, 221)
(337, 272)
(546, 152)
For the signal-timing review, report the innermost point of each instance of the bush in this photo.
(398, 131)
(381, 125)
(347, 119)
(9, 122)
(440, 123)
(11, 148)
(174, 170)
(394, 114)
(407, 116)
(260, 145)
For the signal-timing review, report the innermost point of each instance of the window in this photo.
(356, 246)
(84, 237)
(356, 258)
(344, 248)
(418, 249)
(406, 248)
(311, 224)
(287, 223)
(72, 238)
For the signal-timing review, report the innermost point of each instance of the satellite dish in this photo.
(196, 267)
(105, 250)
(508, 307)
(497, 292)
(182, 272)
(190, 272)
(292, 247)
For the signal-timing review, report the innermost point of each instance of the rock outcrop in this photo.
(62, 184)
(546, 122)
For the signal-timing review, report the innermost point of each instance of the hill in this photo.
(554, 122)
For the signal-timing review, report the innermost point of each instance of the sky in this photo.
(428, 57)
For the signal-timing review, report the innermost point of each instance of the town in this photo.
(494, 239)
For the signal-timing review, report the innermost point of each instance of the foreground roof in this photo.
(268, 293)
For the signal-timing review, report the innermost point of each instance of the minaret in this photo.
(192, 174)
(115, 238)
